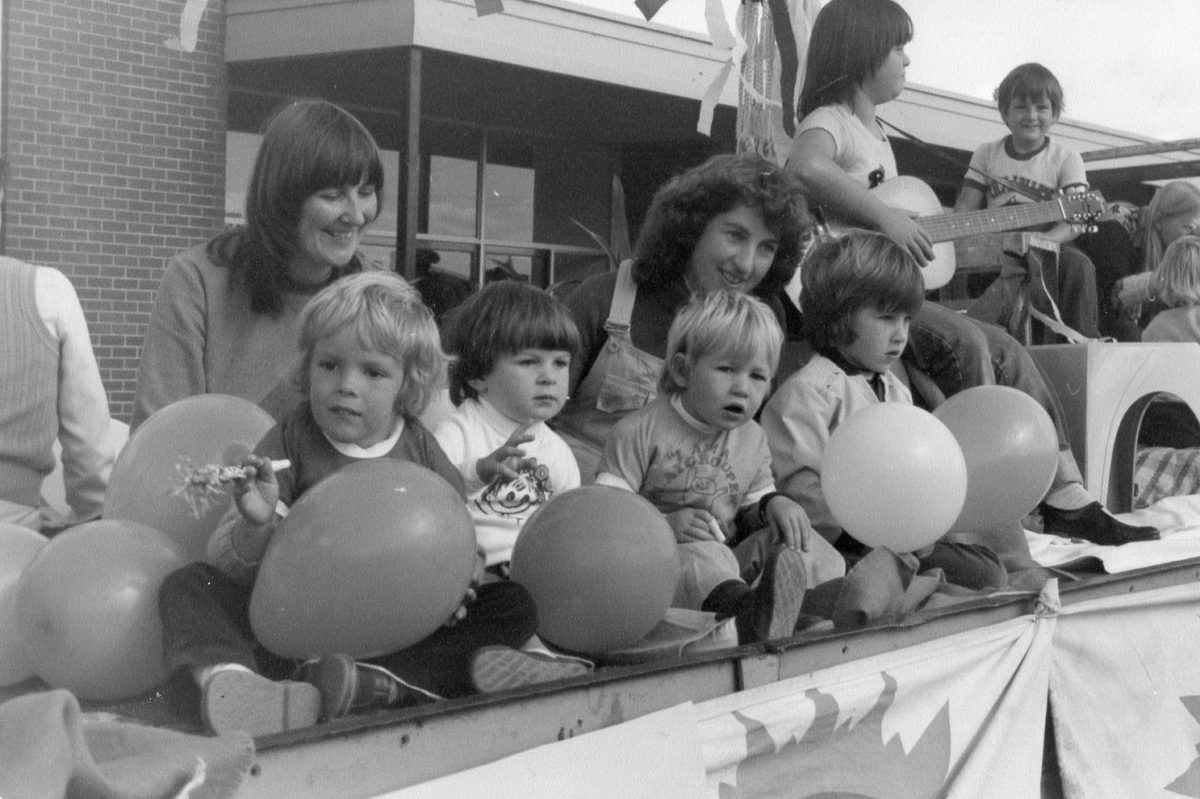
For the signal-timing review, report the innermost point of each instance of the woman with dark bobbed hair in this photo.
(224, 317)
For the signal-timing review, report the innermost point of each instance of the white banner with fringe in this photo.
(1125, 695)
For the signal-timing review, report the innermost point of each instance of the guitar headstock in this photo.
(1084, 208)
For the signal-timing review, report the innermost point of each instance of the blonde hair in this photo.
(722, 322)
(388, 316)
(1172, 199)
(1178, 274)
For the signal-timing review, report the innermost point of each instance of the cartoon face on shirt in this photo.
(531, 488)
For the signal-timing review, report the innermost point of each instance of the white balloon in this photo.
(894, 476)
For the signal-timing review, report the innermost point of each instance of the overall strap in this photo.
(624, 294)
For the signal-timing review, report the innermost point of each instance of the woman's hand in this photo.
(695, 524)
(908, 233)
(256, 492)
(787, 519)
(508, 459)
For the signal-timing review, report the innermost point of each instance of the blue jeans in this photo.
(957, 352)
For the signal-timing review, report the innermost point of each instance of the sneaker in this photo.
(345, 685)
(236, 699)
(774, 606)
(500, 668)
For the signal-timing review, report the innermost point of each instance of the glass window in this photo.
(449, 178)
(508, 183)
(508, 267)
(451, 196)
(443, 278)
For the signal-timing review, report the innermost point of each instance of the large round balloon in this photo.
(369, 561)
(1011, 449)
(601, 564)
(894, 476)
(18, 547)
(207, 429)
(87, 608)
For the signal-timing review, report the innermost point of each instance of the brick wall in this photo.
(117, 151)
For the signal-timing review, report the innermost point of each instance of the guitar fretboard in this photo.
(947, 227)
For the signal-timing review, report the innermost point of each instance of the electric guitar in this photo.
(917, 198)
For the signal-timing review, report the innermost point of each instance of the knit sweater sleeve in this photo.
(88, 452)
(172, 361)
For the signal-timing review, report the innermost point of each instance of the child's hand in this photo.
(695, 524)
(508, 459)
(256, 491)
(460, 612)
(789, 522)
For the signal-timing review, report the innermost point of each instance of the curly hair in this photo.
(859, 269)
(683, 206)
(387, 315)
(500, 319)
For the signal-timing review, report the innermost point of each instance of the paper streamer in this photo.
(189, 27)
(723, 36)
(649, 7)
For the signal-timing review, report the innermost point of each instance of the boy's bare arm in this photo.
(970, 198)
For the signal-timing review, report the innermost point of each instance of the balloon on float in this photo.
(894, 476)
(601, 564)
(87, 608)
(1011, 450)
(369, 561)
(18, 547)
(200, 430)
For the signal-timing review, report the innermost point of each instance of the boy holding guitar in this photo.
(856, 62)
(1027, 166)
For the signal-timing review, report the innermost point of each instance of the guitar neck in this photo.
(947, 227)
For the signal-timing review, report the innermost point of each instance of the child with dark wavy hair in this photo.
(735, 222)
(859, 294)
(512, 344)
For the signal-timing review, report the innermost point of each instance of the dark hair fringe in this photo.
(503, 318)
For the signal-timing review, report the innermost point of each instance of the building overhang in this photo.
(569, 39)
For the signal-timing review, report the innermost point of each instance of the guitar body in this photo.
(914, 196)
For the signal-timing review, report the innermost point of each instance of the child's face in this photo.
(722, 392)
(735, 251)
(331, 228)
(879, 338)
(887, 82)
(1170, 227)
(1029, 120)
(353, 390)
(527, 386)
